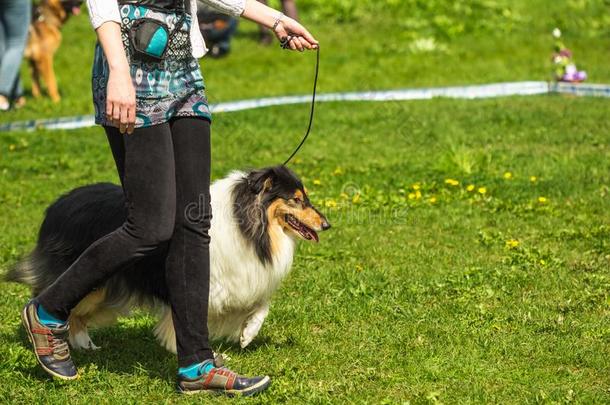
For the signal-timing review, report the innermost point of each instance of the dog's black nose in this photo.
(325, 225)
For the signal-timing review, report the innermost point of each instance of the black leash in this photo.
(313, 100)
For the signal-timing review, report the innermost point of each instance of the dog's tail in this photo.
(30, 271)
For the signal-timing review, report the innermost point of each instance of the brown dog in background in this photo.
(45, 38)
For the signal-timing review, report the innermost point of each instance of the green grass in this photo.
(450, 295)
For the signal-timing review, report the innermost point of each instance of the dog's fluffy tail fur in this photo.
(27, 271)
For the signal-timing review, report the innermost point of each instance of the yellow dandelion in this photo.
(533, 179)
(452, 182)
(411, 196)
(416, 186)
(417, 195)
(470, 187)
(482, 190)
(356, 199)
(317, 182)
(330, 204)
(542, 200)
(512, 243)
(508, 175)
(542, 262)
(432, 200)
(338, 172)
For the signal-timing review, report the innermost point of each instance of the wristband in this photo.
(278, 20)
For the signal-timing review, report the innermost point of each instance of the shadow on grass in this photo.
(123, 350)
(128, 350)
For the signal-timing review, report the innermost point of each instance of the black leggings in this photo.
(165, 173)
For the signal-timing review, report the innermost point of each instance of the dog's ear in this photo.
(260, 181)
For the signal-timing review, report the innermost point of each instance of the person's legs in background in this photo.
(4, 101)
(15, 16)
(2, 40)
(289, 8)
(17, 96)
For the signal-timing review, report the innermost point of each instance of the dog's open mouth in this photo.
(306, 232)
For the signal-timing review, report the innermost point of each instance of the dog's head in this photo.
(72, 6)
(62, 9)
(284, 199)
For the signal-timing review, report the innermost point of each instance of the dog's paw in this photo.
(82, 341)
(253, 325)
(245, 340)
(250, 330)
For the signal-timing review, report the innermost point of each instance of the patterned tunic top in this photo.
(172, 87)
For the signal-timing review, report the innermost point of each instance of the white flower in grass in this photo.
(427, 44)
(557, 33)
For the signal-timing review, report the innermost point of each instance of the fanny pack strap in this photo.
(160, 5)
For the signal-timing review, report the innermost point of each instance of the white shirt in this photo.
(101, 11)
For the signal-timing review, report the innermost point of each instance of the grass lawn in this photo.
(469, 259)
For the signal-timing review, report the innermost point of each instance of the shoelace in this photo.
(58, 342)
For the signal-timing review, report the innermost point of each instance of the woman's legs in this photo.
(188, 261)
(187, 265)
(150, 192)
(15, 16)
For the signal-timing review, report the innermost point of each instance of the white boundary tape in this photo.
(463, 92)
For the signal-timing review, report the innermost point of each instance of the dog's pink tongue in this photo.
(75, 10)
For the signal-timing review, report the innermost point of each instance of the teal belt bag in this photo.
(150, 38)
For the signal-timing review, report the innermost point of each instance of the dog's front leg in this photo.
(253, 324)
(35, 69)
(79, 335)
(48, 74)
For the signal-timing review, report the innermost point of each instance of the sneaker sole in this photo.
(252, 390)
(28, 328)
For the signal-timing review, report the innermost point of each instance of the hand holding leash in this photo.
(293, 35)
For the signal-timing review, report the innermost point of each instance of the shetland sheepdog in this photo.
(258, 217)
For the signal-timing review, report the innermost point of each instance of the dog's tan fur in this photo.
(92, 311)
(44, 41)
